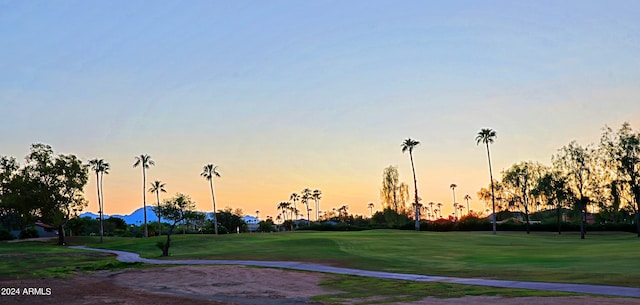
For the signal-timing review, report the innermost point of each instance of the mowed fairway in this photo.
(602, 258)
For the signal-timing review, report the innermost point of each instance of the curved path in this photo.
(131, 257)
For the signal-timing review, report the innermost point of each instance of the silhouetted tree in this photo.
(157, 187)
(408, 145)
(208, 172)
(488, 136)
(175, 210)
(144, 161)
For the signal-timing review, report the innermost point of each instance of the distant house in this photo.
(253, 223)
(45, 230)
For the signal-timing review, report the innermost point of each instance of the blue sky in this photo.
(288, 94)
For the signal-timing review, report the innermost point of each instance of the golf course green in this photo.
(602, 258)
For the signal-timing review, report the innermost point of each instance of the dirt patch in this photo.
(237, 284)
(196, 285)
(175, 285)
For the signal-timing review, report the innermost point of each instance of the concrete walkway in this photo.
(131, 257)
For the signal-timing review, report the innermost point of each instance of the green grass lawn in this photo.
(363, 290)
(36, 259)
(602, 258)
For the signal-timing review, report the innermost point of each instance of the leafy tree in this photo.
(82, 226)
(55, 185)
(230, 220)
(408, 145)
(553, 187)
(115, 226)
(175, 209)
(266, 225)
(486, 195)
(625, 150)
(208, 172)
(520, 179)
(18, 205)
(488, 136)
(194, 221)
(144, 161)
(574, 162)
(394, 194)
(100, 167)
(157, 187)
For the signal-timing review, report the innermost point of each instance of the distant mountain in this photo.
(89, 214)
(135, 218)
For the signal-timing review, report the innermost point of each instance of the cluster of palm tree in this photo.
(457, 206)
(100, 167)
(431, 212)
(485, 136)
(289, 209)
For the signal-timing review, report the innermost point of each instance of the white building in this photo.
(252, 222)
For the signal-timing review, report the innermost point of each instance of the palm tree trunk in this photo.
(144, 201)
(99, 206)
(415, 187)
(213, 198)
(158, 202)
(493, 197)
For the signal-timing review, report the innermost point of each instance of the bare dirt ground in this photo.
(222, 285)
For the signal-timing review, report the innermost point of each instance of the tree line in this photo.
(600, 179)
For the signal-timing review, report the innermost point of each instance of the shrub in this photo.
(29, 233)
(6, 235)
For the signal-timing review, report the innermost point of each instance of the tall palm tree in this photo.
(294, 197)
(258, 214)
(317, 195)
(431, 206)
(488, 136)
(306, 196)
(157, 187)
(467, 198)
(144, 161)
(100, 167)
(407, 145)
(440, 208)
(370, 206)
(208, 172)
(453, 187)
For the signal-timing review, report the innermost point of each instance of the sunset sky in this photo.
(284, 95)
